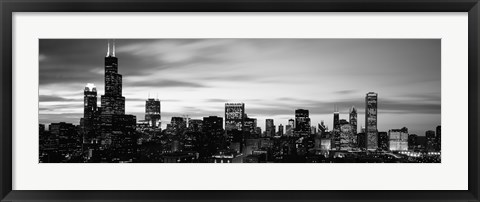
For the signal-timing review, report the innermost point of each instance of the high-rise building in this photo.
(347, 140)
(336, 119)
(371, 100)
(322, 128)
(116, 128)
(353, 119)
(90, 113)
(383, 141)
(249, 125)
(288, 130)
(269, 128)
(234, 116)
(398, 139)
(302, 122)
(90, 101)
(280, 130)
(430, 140)
(291, 122)
(112, 102)
(152, 112)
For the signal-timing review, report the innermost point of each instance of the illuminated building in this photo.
(302, 122)
(112, 102)
(371, 100)
(250, 124)
(152, 112)
(234, 116)
(398, 139)
(348, 140)
(116, 128)
(90, 113)
(326, 144)
(353, 119)
(90, 101)
(269, 128)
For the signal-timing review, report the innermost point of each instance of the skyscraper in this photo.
(250, 124)
(112, 102)
(291, 122)
(430, 140)
(152, 112)
(280, 130)
(371, 120)
(353, 119)
(90, 113)
(269, 128)
(90, 101)
(234, 116)
(336, 119)
(117, 128)
(302, 122)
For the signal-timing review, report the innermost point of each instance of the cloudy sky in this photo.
(273, 77)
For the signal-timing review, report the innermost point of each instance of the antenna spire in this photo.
(113, 48)
(108, 48)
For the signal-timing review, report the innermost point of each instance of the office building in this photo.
(152, 112)
(398, 139)
(269, 128)
(302, 122)
(353, 119)
(371, 102)
(234, 116)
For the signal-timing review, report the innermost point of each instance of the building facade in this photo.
(152, 112)
(371, 103)
(353, 119)
(302, 122)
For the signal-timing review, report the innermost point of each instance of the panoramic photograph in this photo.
(221, 100)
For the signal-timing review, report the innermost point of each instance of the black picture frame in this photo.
(8, 7)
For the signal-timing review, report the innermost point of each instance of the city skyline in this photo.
(203, 65)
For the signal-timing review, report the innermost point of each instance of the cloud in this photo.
(53, 98)
(163, 83)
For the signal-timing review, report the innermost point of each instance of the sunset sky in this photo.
(273, 77)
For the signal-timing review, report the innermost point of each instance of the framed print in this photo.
(239, 101)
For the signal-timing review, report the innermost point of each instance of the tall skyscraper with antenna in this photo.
(117, 128)
(112, 102)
